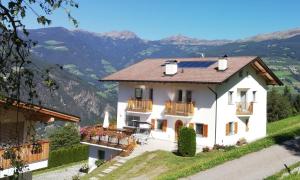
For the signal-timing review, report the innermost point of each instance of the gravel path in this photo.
(257, 165)
(60, 174)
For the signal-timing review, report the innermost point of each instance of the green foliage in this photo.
(67, 155)
(64, 136)
(279, 106)
(187, 142)
(297, 103)
(99, 162)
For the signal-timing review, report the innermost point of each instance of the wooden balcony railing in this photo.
(29, 153)
(244, 108)
(179, 108)
(139, 105)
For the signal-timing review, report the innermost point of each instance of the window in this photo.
(231, 128)
(179, 96)
(201, 129)
(151, 94)
(160, 124)
(138, 93)
(188, 96)
(230, 97)
(254, 95)
(131, 120)
(101, 154)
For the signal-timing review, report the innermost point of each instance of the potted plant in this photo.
(84, 168)
(36, 148)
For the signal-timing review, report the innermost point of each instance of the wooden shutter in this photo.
(191, 125)
(165, 124)
(152, 123)
(205, 130)
(227, 129)
(235, 127)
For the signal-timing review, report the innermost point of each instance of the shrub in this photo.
(187, 142)
(68, 155)
(84, 168)
(99, 162)
(205, 149)
(64, 136)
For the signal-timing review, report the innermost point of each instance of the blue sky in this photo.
(207, 19)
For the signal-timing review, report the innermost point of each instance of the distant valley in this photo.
(88, 56)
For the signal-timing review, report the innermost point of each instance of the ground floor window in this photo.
(160, 124)
(101, 154)
(131, 120)
(201, 129)
(231, 128)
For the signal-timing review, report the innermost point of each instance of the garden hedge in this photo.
(187, 142)
(68, 155)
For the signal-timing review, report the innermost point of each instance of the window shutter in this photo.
(165, 124)
(205, 130)
(191, 125)
(227, 129)
(152, 123)
(235, 127)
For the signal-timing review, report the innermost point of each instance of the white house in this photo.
(16, 132)
(223, 99)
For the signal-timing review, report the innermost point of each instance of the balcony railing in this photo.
(179, 108)
(138, 105)
(29, 153)
(244, 108)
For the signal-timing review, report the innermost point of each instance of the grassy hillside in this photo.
(166, 165)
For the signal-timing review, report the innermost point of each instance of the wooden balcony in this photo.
(244, 108)
(179, 108)
(138, 105)
(29, 153)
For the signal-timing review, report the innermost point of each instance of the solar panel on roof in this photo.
(195, 64)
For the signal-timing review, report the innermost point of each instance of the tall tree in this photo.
(15, 46)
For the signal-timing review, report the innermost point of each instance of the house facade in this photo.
(17, 129)
(222, 99)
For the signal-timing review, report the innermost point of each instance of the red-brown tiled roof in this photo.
(152, 70)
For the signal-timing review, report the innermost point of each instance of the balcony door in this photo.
(244, 100)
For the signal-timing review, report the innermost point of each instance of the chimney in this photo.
(171, 67)
(222, 63)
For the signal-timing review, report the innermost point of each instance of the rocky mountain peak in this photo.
(124, 35)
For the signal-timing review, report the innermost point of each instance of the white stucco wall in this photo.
(227, 113)
(204, 109)
(31, 167)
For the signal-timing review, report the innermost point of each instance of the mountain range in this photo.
(88, 56)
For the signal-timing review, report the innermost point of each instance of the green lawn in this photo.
(166, 165)
(289, 177)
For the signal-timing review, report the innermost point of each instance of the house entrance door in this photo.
(178, 125)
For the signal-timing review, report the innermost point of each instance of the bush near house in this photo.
(187, 142)
(64, 136)
(67, 155)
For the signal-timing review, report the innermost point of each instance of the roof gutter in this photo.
(216, 112)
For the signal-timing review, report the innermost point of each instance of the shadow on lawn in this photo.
(290, 141)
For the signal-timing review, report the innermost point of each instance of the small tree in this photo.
(187, 142)
(279, 106)
(64, 136)
(297, 103)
